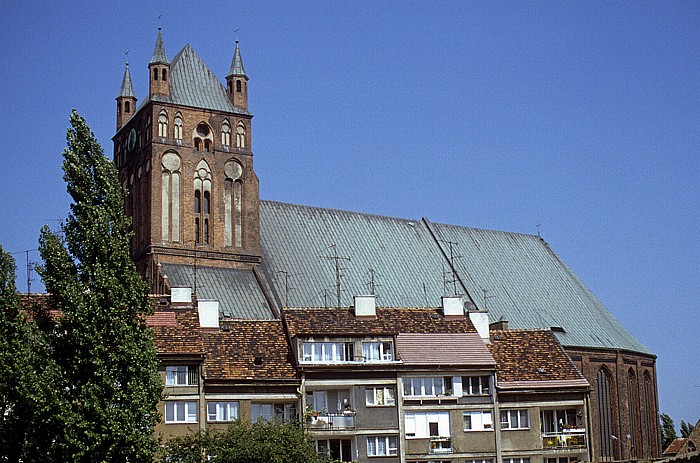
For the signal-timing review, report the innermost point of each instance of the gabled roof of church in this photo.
(193, 84)
(527, 283)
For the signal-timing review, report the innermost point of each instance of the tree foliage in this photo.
(668, 431)
(243, 442)
(686, 429)
(105, 393)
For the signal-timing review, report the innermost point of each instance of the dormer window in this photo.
(328, 352)
(377, 351)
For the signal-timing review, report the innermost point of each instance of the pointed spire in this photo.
(159, 56)
(126, 90)
(236, 64)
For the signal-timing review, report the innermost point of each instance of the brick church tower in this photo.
(185, 157)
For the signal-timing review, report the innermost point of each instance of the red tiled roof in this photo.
(675, 446)
(389, 321)
(443, 349)
(532, 359)
(161, 319)
(232, 351)
(181, 337)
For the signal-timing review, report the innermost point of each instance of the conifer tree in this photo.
(686, 429)
(100, 343)
(668, 431)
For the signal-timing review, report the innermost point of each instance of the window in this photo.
(430, 386)
(127, 107)
(377, 351)
(226, 134)
(233, 204)
(177, 129)
(170, 197)
(268, 411)
(240, 135)
(380, 396)
(155, 74)
(337, 449)
(165, 74)
(515, 419)
(604, 399)
(554, 421)
(181, 376)
(563, 459)
(202, 137)
(222, 411)
(202, 198)
(381, 446)
(476, 385)
(238, 86)
(478, 421)
(517, 460)
(328, 352)
(180, 412)
(427, 424)
(163, 124)
(485, 460)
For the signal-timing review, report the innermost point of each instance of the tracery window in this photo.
(240, 135)
(177, 129)
(163, 124)
(233, 204)
(203, 138)
(632, 408)
(605, 420)
(226, 134)
(170, 197)
(202, 203)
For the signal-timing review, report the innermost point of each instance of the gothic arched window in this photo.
(632, 409)
(177, 129)
(202, 137)
(202, 203)
(226, 133)
(233, 199)
(163, 124)
(649, 415)
(240, 135)
(605, 419)
(170, 197)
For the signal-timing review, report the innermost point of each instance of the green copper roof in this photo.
(526, 283)
(236, 68)
(159, 56)
(126, 90)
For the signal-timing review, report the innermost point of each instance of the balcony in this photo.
(332, 421)
(568, 438)
(441, 445)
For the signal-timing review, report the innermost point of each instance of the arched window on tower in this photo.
(238, 86)
(632, 410)
(177, 129)
(170, 197)
(605, 419)
(202, 203)
(155, 73)
(233, 199)
(127, 107)
(165, 74)
(226, 133)
(163, 124)
(240, 135)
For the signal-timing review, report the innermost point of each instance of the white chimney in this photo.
(208, 313)
(181, 296)
(365, 306)
(480, 320)
(452, 306)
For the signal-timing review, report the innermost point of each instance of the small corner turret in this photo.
(126, 100)
(237, 81)
(159, 69)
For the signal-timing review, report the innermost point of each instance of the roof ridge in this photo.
(332, 209)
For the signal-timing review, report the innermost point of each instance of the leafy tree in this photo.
(109, 383)
(686, 429)
(668, 431)
(243, 442)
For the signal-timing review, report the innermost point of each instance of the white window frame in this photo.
(377, 351)
(417, 424)
(388, 396)
(517, 460)
(180, 412)
(423, 386)
(327, 352)
(515, 419)
(476, 385)
(173, 375)
(481, 420)
(390, 446)
(481, 460)
(222, 411)
(268, 411)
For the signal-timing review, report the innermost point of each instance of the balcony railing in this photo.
(440, 445)
(332, 421)
(569, 438)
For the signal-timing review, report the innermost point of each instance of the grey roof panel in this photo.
(237, 290)
(527, 283)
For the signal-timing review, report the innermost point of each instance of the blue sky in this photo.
(579, 118)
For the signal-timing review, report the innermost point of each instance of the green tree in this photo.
(243, 442)
(668, 431)
(100, 343)
(686, 429)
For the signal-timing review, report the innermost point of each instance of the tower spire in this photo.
(127, 89)
(236, 68)
(126, 100)
(237, 81)
(159, 56)
(158, 68)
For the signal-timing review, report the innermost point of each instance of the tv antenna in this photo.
(486, 297)
(338, 270)
(452, 245)
(287, 288)
(372, 283)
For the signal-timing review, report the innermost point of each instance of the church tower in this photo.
(185, 158)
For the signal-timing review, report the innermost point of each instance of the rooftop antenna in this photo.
(452, 245)
(425, 295)
(287, 276)
(126, 57)
(30, 265)
(159, 16)
(486, 297)
(372, 284)
(538, 231)
(338, 270)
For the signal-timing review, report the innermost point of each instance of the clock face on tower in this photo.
(131, 142)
